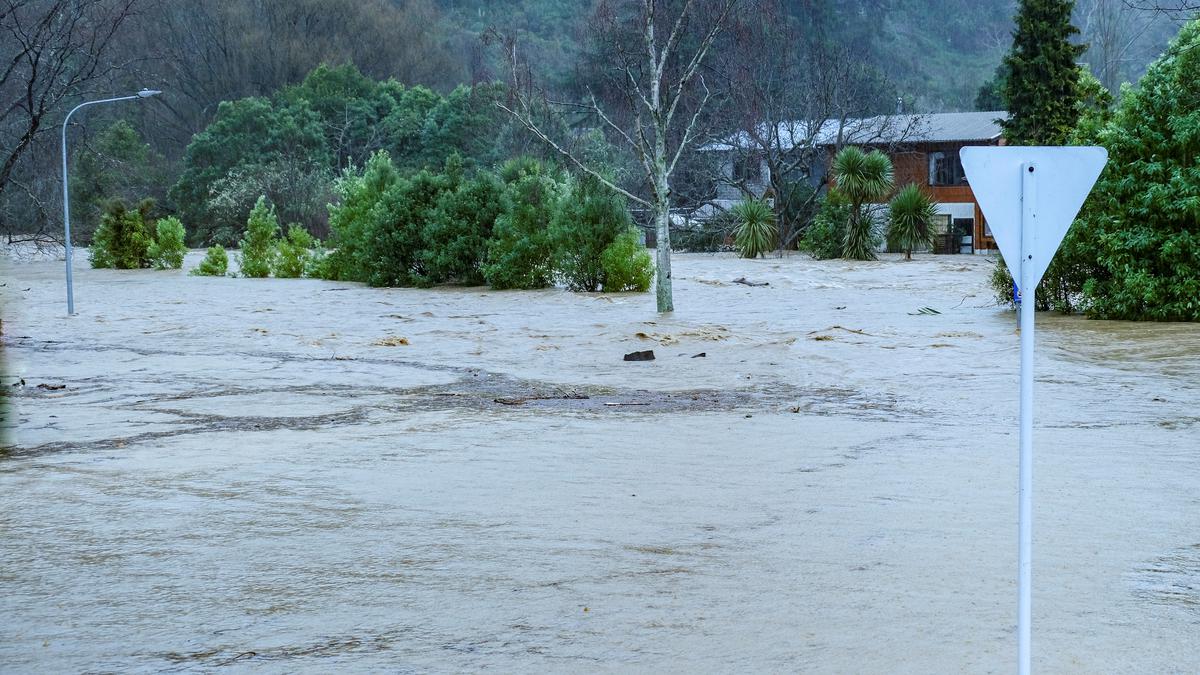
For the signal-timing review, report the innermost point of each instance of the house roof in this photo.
(879, 130)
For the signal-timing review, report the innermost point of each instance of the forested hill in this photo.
(936, 53)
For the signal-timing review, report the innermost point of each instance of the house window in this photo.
(946, 169)
(747, 169)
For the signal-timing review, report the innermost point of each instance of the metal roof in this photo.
(879, 130)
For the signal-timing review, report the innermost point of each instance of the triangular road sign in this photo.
(1064, 176)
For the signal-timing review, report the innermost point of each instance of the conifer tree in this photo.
(1042, 87)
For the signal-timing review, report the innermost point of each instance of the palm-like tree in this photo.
(911, 222)
(756, 233)
(863, 178)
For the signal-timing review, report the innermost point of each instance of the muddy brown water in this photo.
(287, 476)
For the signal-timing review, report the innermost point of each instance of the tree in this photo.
(51, 53)
(864, 178)
(755, 233)
(910, 219)
(1141, 225)
(258, 245)
(1042, 85)
(655, 52)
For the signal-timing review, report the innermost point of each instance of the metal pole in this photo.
(1025, 518)
(67, 194)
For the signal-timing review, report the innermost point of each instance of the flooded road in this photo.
(294, 475)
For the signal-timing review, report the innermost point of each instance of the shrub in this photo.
(360, 193)
(455, 236)
(122, 241)
(258, 244)
(520, 254)
(168, 248)
(627, 264)
(293, 253)
(215, 263)
(863, 178)
(755, 233)
(910, 222)
(826, 236)
(394, 243)
(588, 219)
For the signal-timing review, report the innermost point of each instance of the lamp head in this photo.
(147, 93)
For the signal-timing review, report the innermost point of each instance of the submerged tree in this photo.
(1041, 89)
(910, 223)
(654, 51)
(864, 178)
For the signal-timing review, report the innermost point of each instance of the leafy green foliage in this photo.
(293, 253)
(521, 252)
(755, 233)
(214, 264)
(258, 245)
(1041, 89)
(361, 193)
(117, 164)
(587, 220)
(1140, 230)
(456, 233)
(910, 221)
(123, 240)
(626, 264)
(863, 178)
(248, 137)
(825, 237)
(168, 248)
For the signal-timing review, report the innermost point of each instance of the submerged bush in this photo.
(756, 231)
(293, 253)
(258, 244)
(215, 263)
(456, 233)
(627, 264)
(521, 252)
(168, 248)
(122, 241)
(825, 237)
(588, 219)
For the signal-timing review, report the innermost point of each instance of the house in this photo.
(923, 149)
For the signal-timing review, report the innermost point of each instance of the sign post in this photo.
(1030, 196)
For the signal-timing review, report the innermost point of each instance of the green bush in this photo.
(910, 220)
(455, 235)
(118, 164)
(215, 263)
(360, 193)
(521, 252)
(756, 232)
(123, 241)
(168, 248)
(825, 237)
(258, 245)
(627, 264)
(588, 219)
(293, 253)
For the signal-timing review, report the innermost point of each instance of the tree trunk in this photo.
(662, 223)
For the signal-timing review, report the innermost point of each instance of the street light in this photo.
(145, 93)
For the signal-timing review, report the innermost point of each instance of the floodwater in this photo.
(296, 475)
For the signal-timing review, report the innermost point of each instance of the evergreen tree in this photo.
(1042, 86)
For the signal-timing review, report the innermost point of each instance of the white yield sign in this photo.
(1030, 196)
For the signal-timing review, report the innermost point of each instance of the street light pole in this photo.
(145, 93)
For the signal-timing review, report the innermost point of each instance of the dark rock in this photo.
(647, 355)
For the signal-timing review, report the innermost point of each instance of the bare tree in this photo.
(791, 96)
(656, 50)
(51, 52)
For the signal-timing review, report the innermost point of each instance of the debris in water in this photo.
(393, 341)
(49, 387)
(647, 355)
(701, 355)
(925, 311)
(743, 281)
